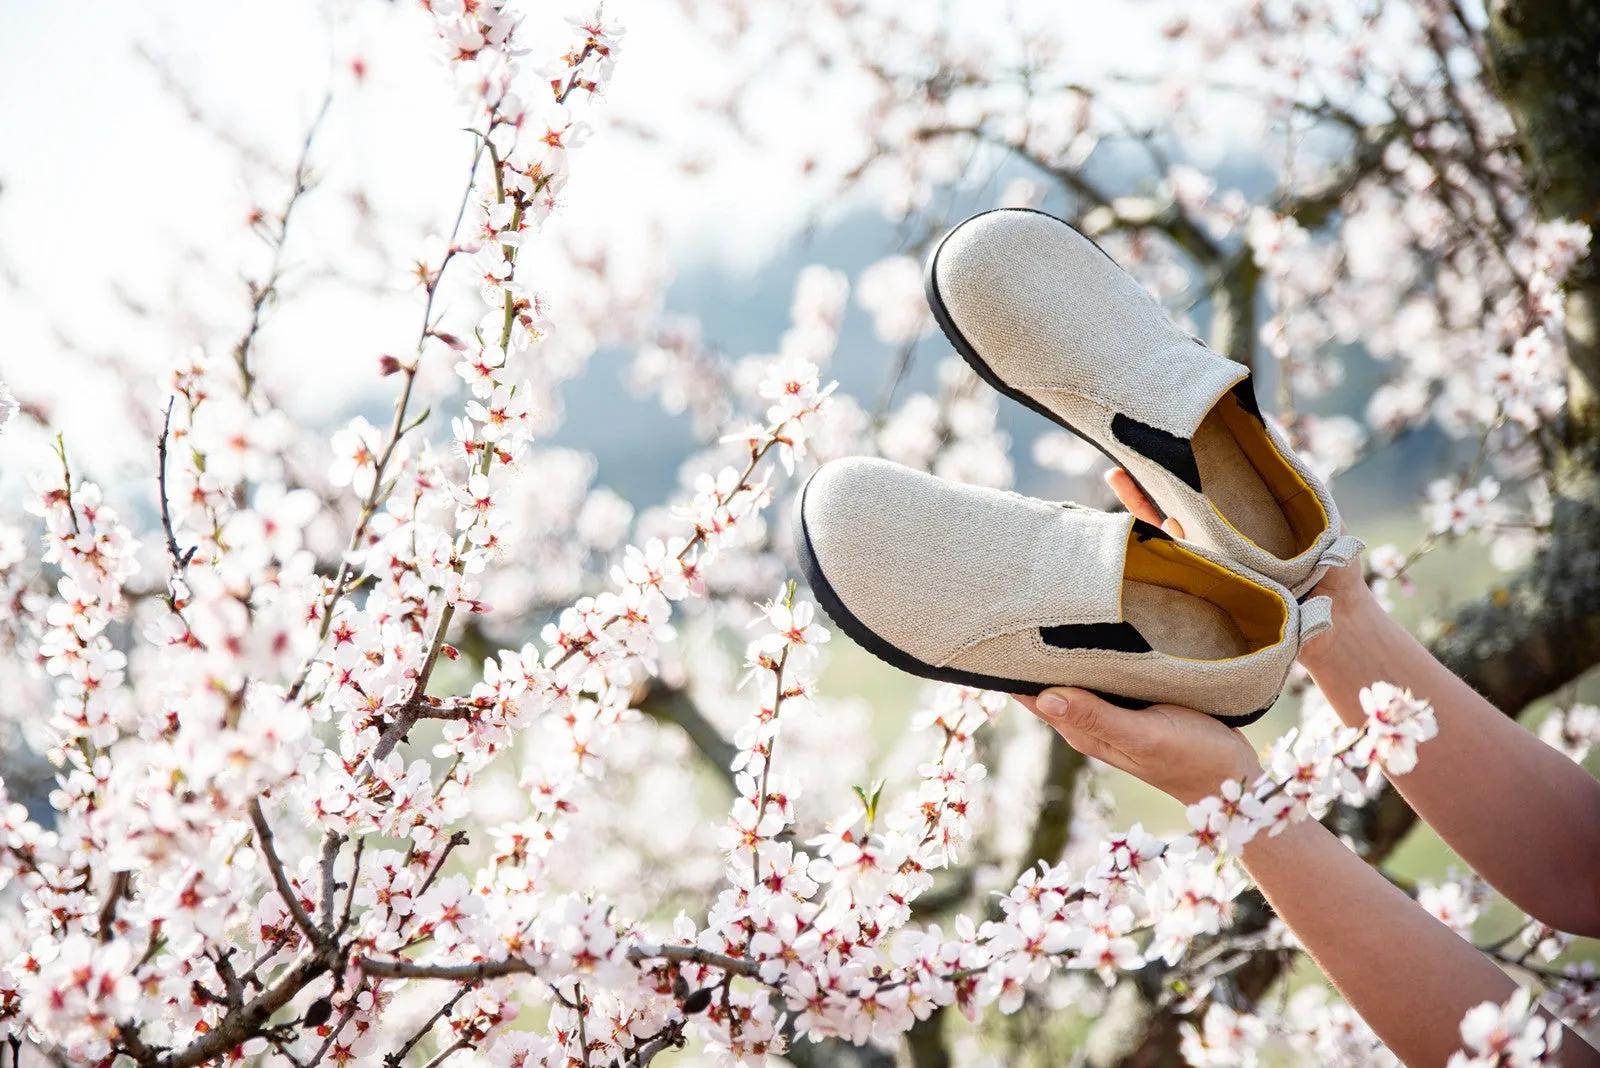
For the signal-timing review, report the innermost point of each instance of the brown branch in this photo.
(232, 986)
(269, 853)
(393, 1060)
(448, 1052)
(477, 971)
(459, 838)
(398, 427)
(460, 973)
(121, 882)
(670, 1037)
(351, 1008)
(332, 842)
(350, 891)
(243, 1024)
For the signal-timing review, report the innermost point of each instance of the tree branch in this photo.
(477, 971)
(332, 841)
(243, 1024)
(269, 853)
(180, 560)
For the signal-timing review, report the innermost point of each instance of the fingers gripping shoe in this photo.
(1046, 317)
(992, 589)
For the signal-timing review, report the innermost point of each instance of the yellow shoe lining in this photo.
(1303, 511)
(1259, 614)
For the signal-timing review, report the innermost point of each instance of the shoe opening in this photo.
(1251, 486)
(1186, 606)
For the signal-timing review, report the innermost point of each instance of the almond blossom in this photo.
(1512, 1034)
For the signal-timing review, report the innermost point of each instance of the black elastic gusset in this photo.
(1112, 637)
(1168, 450)
(1245, 391)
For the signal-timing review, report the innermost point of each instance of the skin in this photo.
(1524, 816)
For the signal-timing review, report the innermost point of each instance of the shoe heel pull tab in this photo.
(1345, 548)
(1316, 616)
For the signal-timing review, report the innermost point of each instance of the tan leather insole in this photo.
(1238, 491)
(1181, 624)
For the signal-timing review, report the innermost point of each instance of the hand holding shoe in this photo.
(1179, 751)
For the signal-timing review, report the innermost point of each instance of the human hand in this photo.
(1137, 504)
(1179, 751)
(1347, 585)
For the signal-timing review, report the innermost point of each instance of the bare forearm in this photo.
(1521, 814)
(1408, 975)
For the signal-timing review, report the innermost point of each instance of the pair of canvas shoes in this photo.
(997, 590)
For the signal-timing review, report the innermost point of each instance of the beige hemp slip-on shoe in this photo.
(1000, 591)
(1045, 316)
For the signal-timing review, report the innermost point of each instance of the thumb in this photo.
(1080, 712)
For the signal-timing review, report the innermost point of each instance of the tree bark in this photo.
(1545, 60)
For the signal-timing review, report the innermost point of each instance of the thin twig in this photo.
(261, 295)
(448, 1052)
(350, 1009)
(493, 969)
(180, 560)
(394, 1059)
(350, 891)
(459, 838)
(120, 883)
(669, 1038)
(397, 428)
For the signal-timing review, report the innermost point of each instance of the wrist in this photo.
(1355, 612)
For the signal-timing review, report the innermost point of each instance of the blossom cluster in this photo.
(1513, 1035)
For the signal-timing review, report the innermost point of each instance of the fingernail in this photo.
(1052, 703)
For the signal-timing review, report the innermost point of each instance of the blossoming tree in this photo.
(411, 760)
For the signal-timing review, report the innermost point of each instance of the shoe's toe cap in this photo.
(848, 508)
(1044, 307)
(854, 529)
